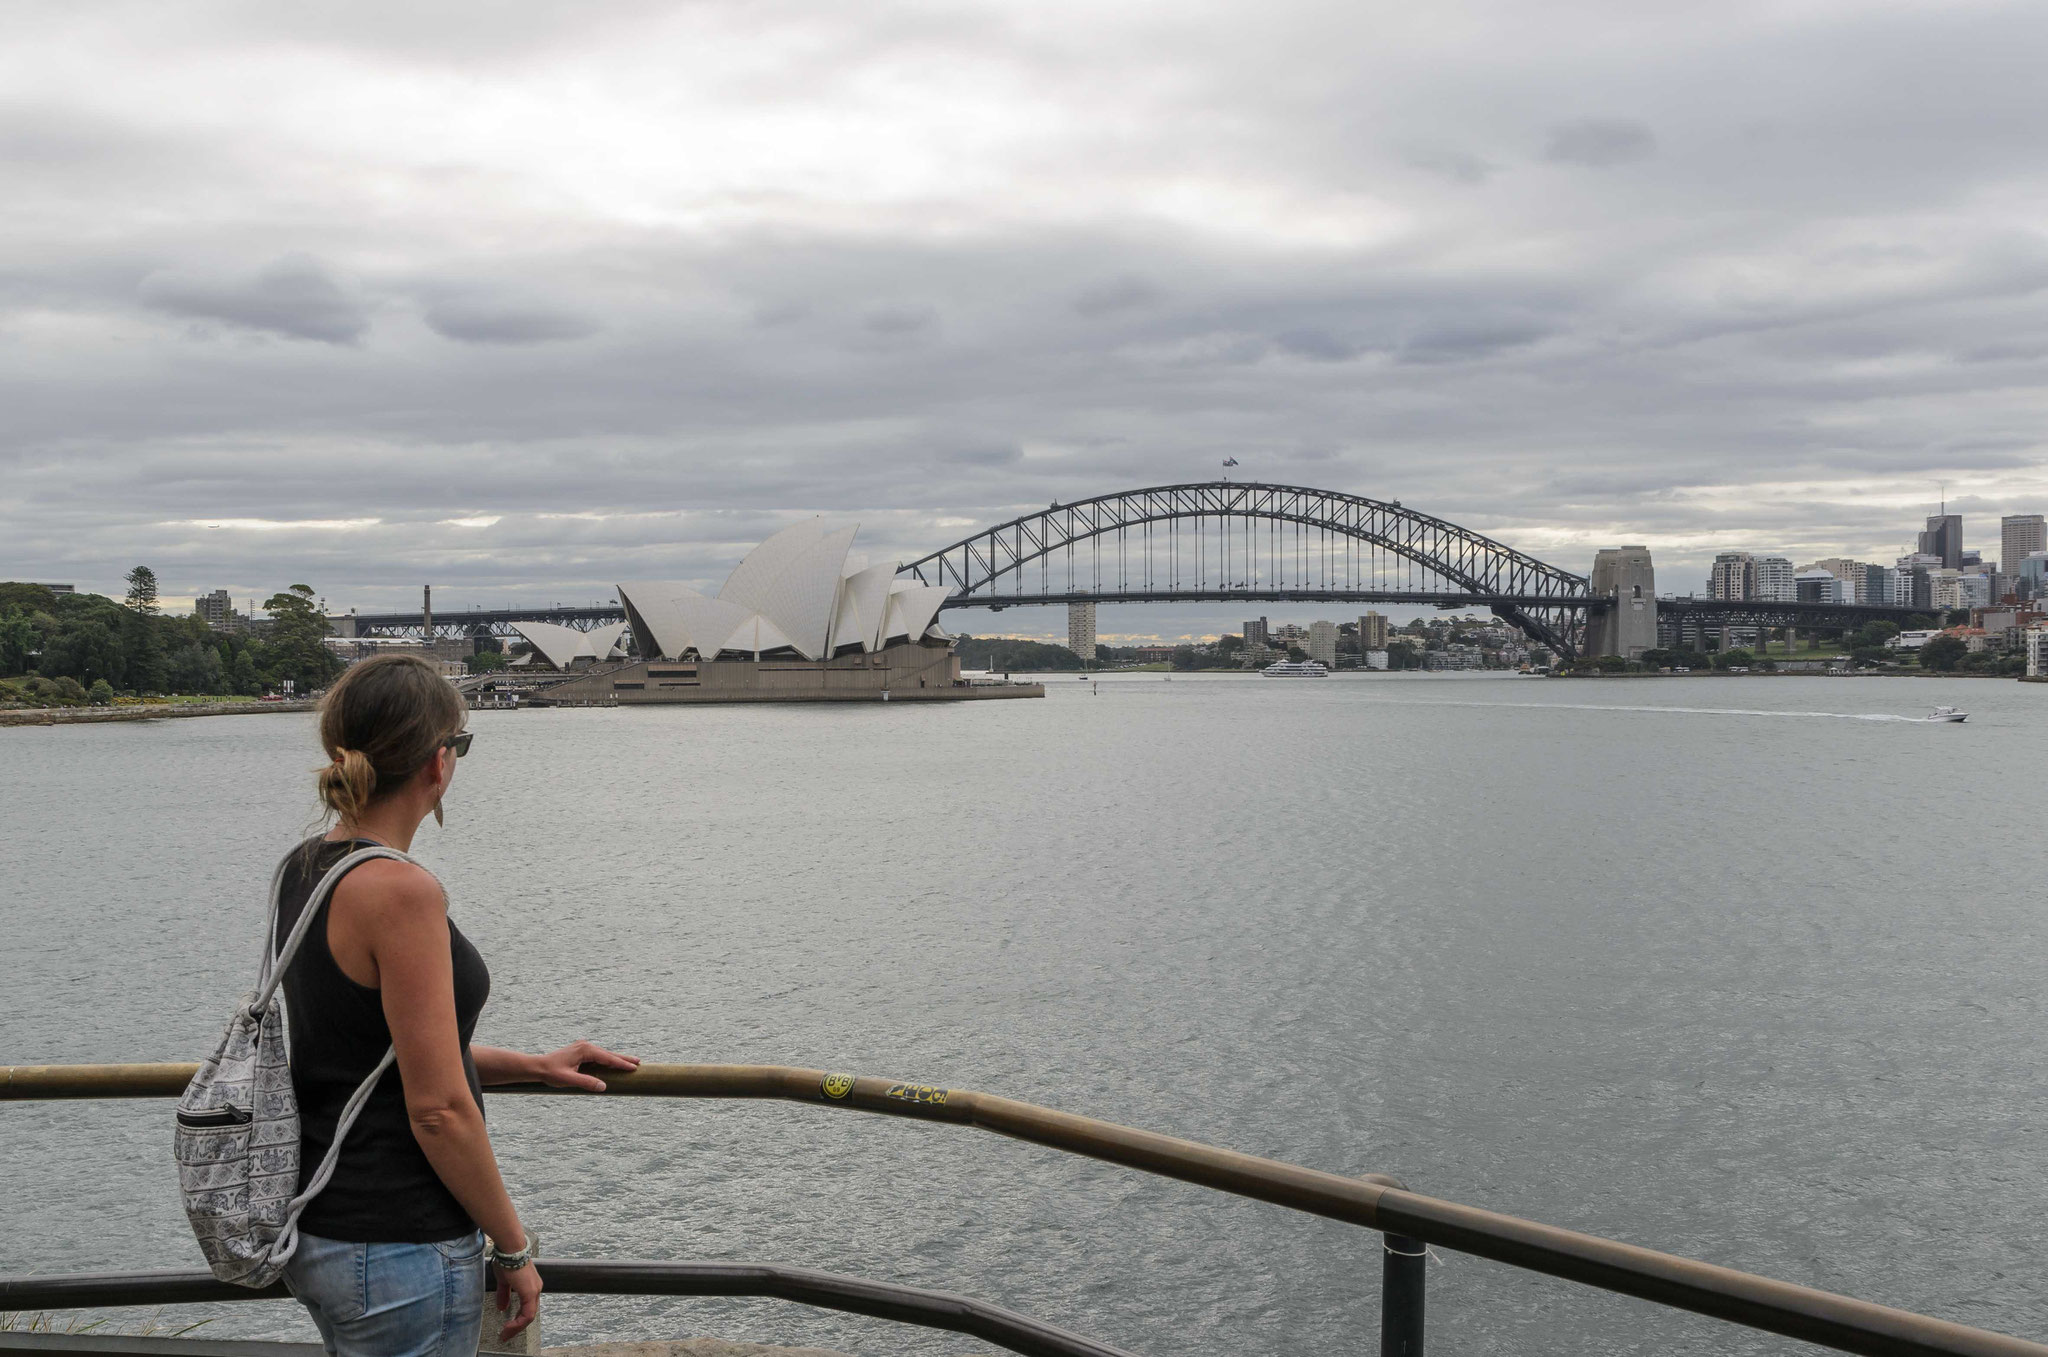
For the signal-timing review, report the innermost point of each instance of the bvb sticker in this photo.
(837, 1086)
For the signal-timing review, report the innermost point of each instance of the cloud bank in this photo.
(525, 298)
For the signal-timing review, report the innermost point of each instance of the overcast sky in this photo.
(523, 299)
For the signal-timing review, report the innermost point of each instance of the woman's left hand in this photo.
(559, 1068)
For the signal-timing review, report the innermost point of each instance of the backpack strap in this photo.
(276, 959)
(275, 962)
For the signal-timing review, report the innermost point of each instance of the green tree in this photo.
(1403, 655)
(1733, 659)
(1296, 654)
(486, 662)
(18, 641)
(295, 648)
(142, 590)
(85, 652)
(1227, 648)
(101, 694)
(1943, 653)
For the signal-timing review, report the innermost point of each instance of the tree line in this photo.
(60, 649)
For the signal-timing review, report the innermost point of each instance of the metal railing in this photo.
(1408, 1220)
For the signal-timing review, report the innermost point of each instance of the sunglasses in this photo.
(459, 742)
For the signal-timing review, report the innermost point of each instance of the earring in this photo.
(439, 819)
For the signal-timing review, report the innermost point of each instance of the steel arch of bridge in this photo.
(1185, 537)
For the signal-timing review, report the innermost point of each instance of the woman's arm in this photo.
(495, 1065)
(408, 937)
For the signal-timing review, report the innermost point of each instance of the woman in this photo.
(390, 1255)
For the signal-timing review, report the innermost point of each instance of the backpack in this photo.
(238, 1120)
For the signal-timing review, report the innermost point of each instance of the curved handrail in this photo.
(1744, 1298)
(591, 1277)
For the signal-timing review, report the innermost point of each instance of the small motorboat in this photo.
(1956, 714)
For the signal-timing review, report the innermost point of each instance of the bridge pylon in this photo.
(1628, 625)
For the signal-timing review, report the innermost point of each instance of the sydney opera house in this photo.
(799, 619)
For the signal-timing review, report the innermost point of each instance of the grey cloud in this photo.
(1123, 293)
(1599, 142)
(294, 296)
(1259, 265)
(1460, 166)
(489, 320)
(899, 320)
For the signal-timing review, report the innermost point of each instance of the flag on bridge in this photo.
(1230, 461)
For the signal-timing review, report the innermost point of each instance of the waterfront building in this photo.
(1375, 659)
(2020, 536)
(2037, 648)
(1945, 588)
(1259, 656)
(1322, 643)
(796, 621)
(1257, 633)
(1771, 580)
(1454, 657)
(1081, 631)
(565, 648)
(1372, 632)
(1943, 540)
(1732, 574)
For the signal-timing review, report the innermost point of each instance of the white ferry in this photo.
(1290, 669)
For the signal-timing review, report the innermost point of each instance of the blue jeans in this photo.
(392, 1300)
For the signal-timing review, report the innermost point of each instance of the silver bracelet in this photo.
(512, 1262)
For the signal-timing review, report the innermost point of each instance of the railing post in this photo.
(1401, 1281)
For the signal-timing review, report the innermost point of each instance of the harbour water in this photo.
(1745, 969)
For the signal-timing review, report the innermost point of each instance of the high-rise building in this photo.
(1944, 538)
(1945, 588)
(1081, 630)
(1850, 573)
(2034, 574)
(1322, 643)
(1372, 632)
(1818, 586)
(1257, 633)
(1770, 579)
(2020, 536)
(1731, 576)
(214, 609)
(1976, 590)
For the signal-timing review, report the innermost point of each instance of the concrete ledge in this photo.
(157, 711)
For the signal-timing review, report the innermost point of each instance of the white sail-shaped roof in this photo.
(799, 599)
(563, 646)
(796, 591)
(863, 607)
(749, 583)
(912, 607)
(754, 636)
(674, 618)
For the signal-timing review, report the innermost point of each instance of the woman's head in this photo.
(383, 723)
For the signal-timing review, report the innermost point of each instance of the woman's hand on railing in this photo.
(560, 1069)
(522, 1289)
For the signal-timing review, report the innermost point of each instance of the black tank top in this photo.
(383, 1189)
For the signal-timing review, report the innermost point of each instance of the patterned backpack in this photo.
(238, 1120)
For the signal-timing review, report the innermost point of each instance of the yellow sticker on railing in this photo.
(917, 1093)
(837, 1086)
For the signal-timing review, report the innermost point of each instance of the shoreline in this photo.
(157, 711)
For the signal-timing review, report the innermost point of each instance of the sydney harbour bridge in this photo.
(1248, 542)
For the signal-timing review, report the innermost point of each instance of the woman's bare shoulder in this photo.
(386, 887)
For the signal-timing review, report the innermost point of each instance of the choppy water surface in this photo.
(1674, 961)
